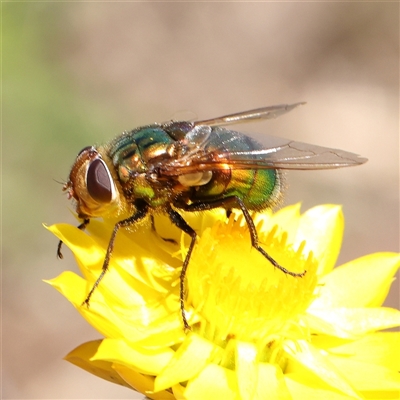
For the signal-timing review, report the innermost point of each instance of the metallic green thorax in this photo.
(133, 154)
(136, 154)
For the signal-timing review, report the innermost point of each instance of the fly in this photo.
(190, 166)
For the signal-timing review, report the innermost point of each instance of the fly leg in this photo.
(153, 228)
(228, 203)
(254, 241)
(178, 220)
(141, 212)
(228, 212)
(82, 226)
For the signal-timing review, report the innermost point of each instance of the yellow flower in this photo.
(256, 333)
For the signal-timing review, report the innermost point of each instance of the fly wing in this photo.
(207, 149)
(294, 155)
(250, 115)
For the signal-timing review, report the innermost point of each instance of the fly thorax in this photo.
(177, 150)
(129, 163)
(139, 187)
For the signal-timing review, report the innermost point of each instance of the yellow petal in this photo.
(74, 288)
(81, 357)
(358, 321)
(213, 383)
(178, 391)
(392, 395)
(271, 383)
(380, 395)
(145, 361)
(108, 318)
(287, 219)
(246, 369)
(364, 282)
(65, 284)
(147, 270)
(139, 254)
(301, 388)
(190, 358)
(305, 359)
(142, 383)
(367, 377)
(88, 253)
(135, 243)
(322, 326)
(136, 288)
(381, 348)
(322, 229)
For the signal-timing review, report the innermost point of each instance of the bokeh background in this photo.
(76, 74)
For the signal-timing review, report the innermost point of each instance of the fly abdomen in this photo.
(258, 189)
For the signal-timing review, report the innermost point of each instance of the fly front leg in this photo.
(141, 212)
(178, 220)
(233, 201)
(82, 226)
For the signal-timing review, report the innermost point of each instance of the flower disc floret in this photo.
(238, 291)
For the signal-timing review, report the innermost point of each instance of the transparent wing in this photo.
(251, 115)
(207, 149)
(294, 155)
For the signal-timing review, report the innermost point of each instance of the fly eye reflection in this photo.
(98, 181)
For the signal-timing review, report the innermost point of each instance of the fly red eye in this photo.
(98, 182)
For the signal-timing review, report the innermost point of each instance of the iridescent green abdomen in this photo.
(258, 188)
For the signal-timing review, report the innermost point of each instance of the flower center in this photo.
(238, 293)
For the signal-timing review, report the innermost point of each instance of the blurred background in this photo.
(76, 74)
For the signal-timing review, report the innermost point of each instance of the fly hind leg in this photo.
(254, 241)
(233, 201)
(178, 220)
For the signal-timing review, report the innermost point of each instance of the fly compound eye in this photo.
(84, 150)
(98, 182)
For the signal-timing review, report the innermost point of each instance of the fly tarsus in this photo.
(276, 265)
(59, 253)
(82, 226)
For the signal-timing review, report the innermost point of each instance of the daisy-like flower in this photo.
(256, 333)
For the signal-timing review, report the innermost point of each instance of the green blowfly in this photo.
(190, 166)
